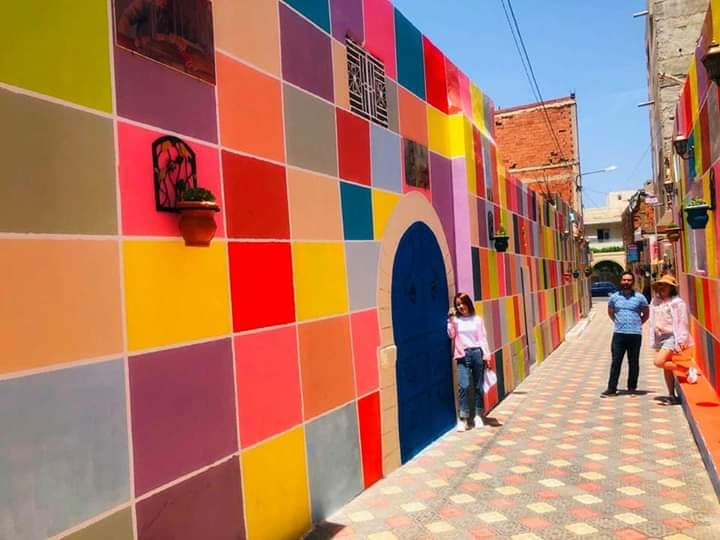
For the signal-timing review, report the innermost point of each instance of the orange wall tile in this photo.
(60, 302)
(326, 364)
(249, 31)
(413, 117)
(250, 106)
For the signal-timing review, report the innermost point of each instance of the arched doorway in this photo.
(426, 406)
(607, 271)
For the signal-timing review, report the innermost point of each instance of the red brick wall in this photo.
(524, 140)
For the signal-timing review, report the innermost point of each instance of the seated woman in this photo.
(471, 354)
(669, 328)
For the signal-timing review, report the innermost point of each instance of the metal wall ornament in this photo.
(174, 169)
(366, 83)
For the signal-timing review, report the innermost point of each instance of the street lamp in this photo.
(609, 168)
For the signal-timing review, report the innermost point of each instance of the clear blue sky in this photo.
(592, 47)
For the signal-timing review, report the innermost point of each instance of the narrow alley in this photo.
(563, 462)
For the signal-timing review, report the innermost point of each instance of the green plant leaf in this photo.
(198, 194)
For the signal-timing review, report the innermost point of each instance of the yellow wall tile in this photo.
(457, 135)
(469, 157)
(510, 313)
(173, 293)
(438, 132)
(275, 482)
(320, 280)
(478, 107)
(383, 206)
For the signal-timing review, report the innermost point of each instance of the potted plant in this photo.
(672, 231)
(197, 221)
(697, 213)
(501, 239)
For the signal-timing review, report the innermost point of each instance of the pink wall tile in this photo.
(268, 383)
(365, 341)
(380, 33)
(137, 193)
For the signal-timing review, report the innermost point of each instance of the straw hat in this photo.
(667, 279)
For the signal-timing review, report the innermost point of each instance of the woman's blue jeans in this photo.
(470, 370)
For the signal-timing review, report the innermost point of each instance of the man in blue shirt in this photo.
(629, 310)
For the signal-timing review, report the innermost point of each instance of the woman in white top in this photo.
(669, 329)
(471, 354)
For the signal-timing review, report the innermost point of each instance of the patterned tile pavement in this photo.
(564, 463)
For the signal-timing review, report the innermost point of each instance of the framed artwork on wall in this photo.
(177, 33)
(417, 172)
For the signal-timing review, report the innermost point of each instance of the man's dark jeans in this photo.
(622, 343)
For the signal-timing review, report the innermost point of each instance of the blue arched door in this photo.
(426, 406)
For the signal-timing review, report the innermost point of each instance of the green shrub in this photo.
(198, 194)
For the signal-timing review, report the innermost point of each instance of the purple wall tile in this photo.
(461, 213)
(482, 222)
(208, 505)
(497, 326)
(183, 411)
(306, 54)
(347, 20)
(151, 93)
(442, 198)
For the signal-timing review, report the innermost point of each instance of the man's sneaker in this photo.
(609, 393)
(461, 425)
(479, 423)
(692, 375)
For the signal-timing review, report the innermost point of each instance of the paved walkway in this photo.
(564, 463)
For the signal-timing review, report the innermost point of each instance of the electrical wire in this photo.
(532, 80)
(637, 165)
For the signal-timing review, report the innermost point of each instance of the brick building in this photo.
(530, 152)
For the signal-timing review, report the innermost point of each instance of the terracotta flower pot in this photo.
(673, 234)
(197, 222)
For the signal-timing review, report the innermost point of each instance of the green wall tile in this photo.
(58, 169)
(117, 526)
(58, 48)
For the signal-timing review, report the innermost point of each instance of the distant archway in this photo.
(607, 271)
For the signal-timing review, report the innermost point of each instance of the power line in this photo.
(523, 61)
(534, 80)
(517, 47)
(639, 162)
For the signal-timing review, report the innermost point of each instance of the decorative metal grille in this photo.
(366, 80)
(175, 170)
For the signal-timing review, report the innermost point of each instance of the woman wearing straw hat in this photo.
(669, 328)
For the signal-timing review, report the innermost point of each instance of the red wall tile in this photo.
(261, 285)
(370, 438)
(255, 198)
(353, 136)
(435, 76)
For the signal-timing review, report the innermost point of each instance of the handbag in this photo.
(489, 379)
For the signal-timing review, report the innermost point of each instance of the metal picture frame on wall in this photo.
(417, 170)
(175, 33)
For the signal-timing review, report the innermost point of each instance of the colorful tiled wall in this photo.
(150, 390)
(697, 114)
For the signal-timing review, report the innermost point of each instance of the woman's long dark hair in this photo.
(465, 299)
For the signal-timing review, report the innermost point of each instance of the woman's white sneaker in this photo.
(461, 426)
